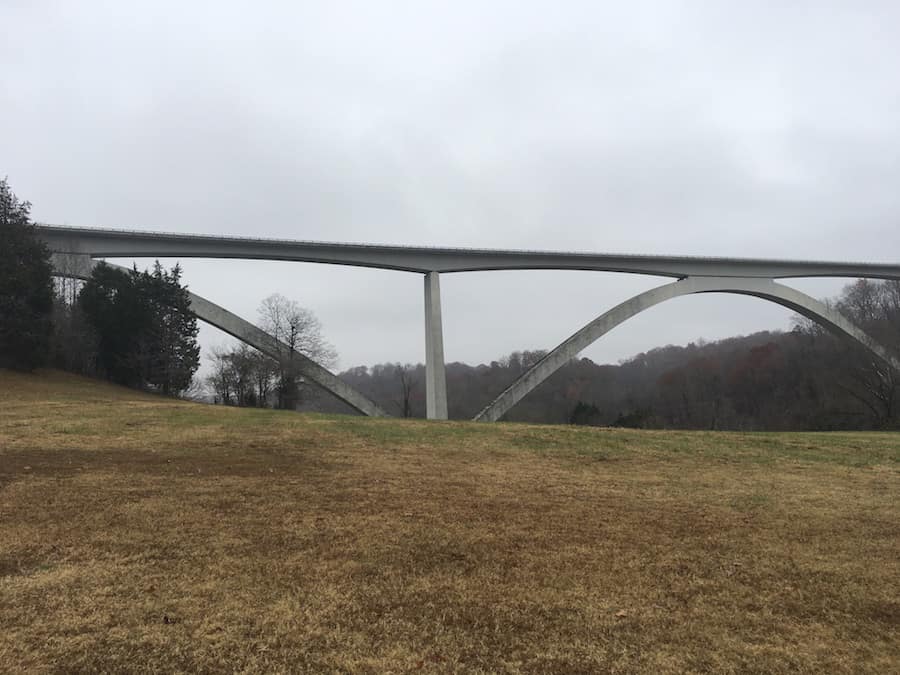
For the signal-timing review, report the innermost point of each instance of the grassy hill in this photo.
(139, 533)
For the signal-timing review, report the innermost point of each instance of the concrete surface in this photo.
(435, 373)
(760, 288)
(124, 243)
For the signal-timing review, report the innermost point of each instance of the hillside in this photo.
(767, 381)
(142, 534)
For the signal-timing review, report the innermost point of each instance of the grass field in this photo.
(144, 534)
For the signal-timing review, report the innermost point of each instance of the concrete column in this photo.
(72, 265)
(435, 377)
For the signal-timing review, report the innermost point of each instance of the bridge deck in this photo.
(110, 243)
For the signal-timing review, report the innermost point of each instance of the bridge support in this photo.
(246, 332)
(79, 266)
(435, 374)
(72, 246)
(72, 265)
(765, 289)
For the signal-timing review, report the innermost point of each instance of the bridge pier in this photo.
(72, 265)
(435, 375)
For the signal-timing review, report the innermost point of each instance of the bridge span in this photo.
(77, 248)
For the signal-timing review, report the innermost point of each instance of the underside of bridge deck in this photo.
(75, 250)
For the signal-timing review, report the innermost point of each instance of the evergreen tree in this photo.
(173, 352)
(26, 286)
(109, 300)
(147, 336)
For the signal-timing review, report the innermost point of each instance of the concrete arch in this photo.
(766, 289)
(246, 332)
(79, 267)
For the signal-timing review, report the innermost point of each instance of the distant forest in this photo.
(801, 379)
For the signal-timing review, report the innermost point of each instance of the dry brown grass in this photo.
(140, 534)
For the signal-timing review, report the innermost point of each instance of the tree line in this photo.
(134, 327)
(802, 379)
(129, 326)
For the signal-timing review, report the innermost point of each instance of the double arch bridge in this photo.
(77, 250)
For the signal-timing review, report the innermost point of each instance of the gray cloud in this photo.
(661, 127)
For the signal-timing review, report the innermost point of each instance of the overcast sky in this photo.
(707, 128)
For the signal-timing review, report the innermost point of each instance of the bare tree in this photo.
(873, 306)
(405, 376)
(220, 380)
(301, 332)
(242, 376)
(870, 305)
(265, 373)
(73, 342)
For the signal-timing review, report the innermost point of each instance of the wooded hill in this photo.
(802, 379)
